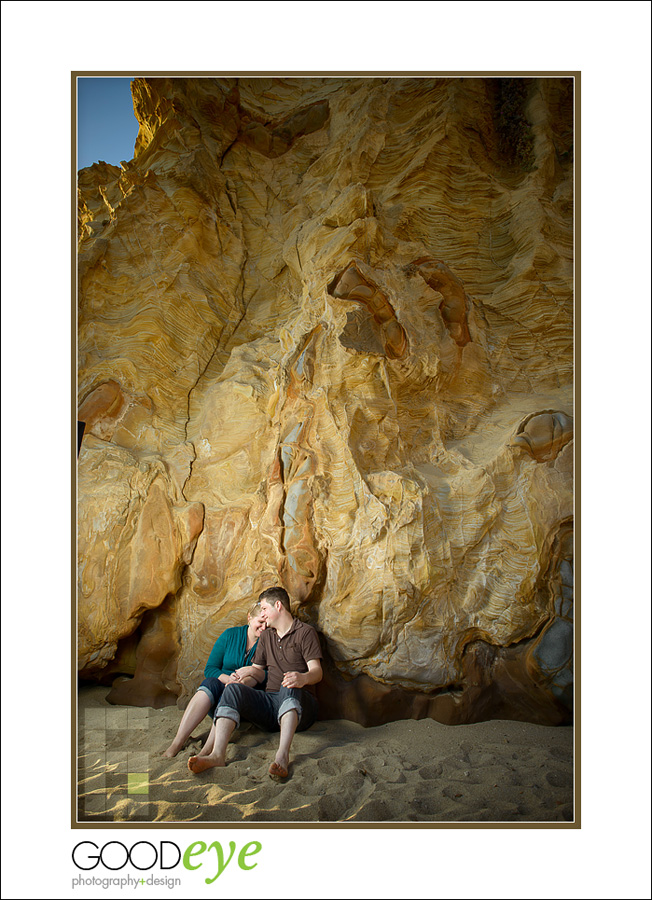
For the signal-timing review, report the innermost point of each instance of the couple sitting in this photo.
(275, 645)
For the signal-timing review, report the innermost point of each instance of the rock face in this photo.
(326, 340)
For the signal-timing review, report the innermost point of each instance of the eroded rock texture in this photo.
(326, 340)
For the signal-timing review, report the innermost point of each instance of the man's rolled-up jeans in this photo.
(265, 708)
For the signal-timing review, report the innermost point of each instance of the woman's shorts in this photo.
(213, 687)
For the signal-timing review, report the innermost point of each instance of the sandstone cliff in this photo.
(326, 340)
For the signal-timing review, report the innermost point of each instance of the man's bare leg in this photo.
(196, 710)
(223, 729)
(288, 723)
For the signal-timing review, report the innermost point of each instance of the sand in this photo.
(408, 771)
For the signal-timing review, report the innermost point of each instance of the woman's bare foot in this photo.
(172, 751)
(198, 764)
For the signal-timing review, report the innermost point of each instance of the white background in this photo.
(609, 43)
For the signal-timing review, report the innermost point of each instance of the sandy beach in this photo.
(407, 771)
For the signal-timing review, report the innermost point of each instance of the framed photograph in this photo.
(326, 343)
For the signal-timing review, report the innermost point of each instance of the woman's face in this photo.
(257, 624)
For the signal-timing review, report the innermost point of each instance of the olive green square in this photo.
(138, 783)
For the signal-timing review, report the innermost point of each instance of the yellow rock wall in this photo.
(326, 340)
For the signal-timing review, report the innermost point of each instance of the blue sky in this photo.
(106, 124)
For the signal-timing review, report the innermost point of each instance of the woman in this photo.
(233, 649)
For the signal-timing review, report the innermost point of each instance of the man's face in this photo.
(269, 612)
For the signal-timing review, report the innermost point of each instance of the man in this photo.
(290, 652)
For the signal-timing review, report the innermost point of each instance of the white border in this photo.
(609, 43)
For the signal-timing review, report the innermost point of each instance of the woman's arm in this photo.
(215, 665)
(251, 676)
(254, 675)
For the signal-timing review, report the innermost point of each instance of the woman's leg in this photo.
(220, 733)
(197, 709)
(207, 749)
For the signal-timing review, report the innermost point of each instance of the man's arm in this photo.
(301, 679)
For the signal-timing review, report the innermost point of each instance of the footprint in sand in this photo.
(426, 806)
(329, 766)
(429, 773)
(453, 792)
(348, 785)
(387, 770)
(561, 753)
(352, 783)
(332, 808)
(560, 779)
(481, 759)
(455, 763)
(372, 811)
(390, 748)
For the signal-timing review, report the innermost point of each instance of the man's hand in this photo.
(301, 679)
(294, 680)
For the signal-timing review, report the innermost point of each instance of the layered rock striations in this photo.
(326, 340)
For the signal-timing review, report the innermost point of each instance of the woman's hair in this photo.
(271, 595)
(254, 609)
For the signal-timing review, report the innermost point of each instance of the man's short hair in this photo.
(271, 595)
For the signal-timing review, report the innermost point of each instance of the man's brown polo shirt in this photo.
(287, 654)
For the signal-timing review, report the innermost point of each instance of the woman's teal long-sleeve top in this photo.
(229, 653)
